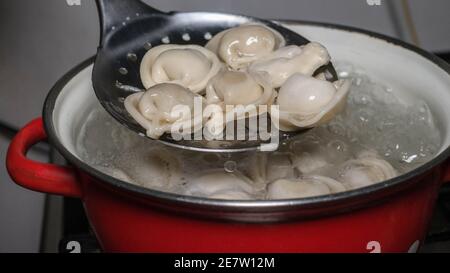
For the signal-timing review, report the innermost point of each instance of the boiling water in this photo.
(375, 119)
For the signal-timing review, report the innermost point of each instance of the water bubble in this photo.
(364, 117)
(132, 57)
(338, 146)
(343, 74)
(358, 81)
(407, 157)
(362, 99)
(337, 129)
(230, 166)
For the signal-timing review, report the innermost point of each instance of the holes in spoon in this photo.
(207, 36)
(123, 71)
(132, 57)
(165, 40)
(186, 37)
(147, 46)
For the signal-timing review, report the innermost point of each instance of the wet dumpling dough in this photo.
(306, 102)
(236, 88)
(240, 46)
(190, 66)
(219, 184)
(367, 169)
(306, 186)
(155, 108)
(286, 61)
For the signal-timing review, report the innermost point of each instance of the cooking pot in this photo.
(391, 216)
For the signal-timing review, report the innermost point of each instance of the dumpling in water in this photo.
(154, 168)
(190, 66)
(366, 170)
(267, 167)
(234, 88)
(306, 186)
(306, 102)
(165, 108)
(219, 184)
(286, 61)
(240, 46)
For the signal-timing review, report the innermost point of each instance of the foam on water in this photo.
(376, 118)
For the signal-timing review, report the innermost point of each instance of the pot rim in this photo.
(325, 201)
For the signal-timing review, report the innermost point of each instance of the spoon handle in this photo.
(117, 13)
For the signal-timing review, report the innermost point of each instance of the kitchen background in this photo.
(41, 40)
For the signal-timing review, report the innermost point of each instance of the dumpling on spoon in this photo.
(306, 186)
(240, 46)
(306, 102)
(236, 88)
(286, 61)
(162, 107)
(190, 66)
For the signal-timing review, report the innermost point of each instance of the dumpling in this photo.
(306, 102)
(240, 46)
(286, 61)
(156, 168)
(366, 170)
(306, 186)
(267, 167)
(236, 88)
(190, 66)
(279, 166)
(165, 107)
(219, 184)
(307, 163)
(310, 154)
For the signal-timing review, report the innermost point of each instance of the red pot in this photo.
(389, 217)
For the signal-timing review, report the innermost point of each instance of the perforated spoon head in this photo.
(130, 28)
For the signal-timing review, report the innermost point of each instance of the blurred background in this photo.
(41, 40)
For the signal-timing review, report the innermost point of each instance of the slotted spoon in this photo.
(130, 28)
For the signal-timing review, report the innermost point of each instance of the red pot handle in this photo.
(37, 176)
